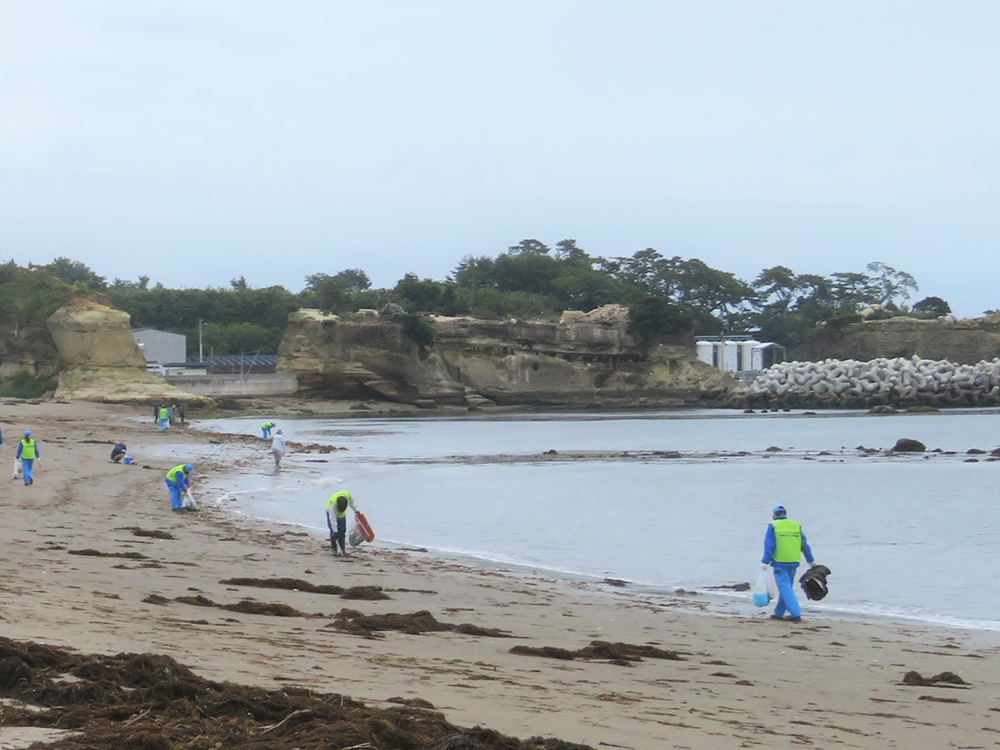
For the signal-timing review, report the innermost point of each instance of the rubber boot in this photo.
(333, 545)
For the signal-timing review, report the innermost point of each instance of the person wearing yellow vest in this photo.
(164, 416)
(784, 545)
(266, 429)
(336, 517)
(178, 483)
(27, 451)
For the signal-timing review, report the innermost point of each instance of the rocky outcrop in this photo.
(585, 358)
(100, 359)
(964, 341)
(89, 334)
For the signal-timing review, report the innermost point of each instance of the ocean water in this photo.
(907, 536)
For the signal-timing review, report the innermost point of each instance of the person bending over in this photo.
(336, 520)
(178, 483)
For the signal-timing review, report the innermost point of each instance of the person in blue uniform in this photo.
(784, 545)
(179, 482)
(27, 451)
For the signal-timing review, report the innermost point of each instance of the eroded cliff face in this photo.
(960, 341)
(583, 359)
(100, 359)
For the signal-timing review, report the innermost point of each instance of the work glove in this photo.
(764, 566)
(813, 564)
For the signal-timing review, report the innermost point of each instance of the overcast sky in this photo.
(198, 141)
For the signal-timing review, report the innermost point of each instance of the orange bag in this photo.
(361, 531)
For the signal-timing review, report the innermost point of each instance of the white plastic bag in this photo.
(17, 468)
(354, 535)
(765, 589)
(188, 501)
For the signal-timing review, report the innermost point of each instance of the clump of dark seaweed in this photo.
(150, 702)
(622, 654)
(367, 593)
(96, 553)
(151, 533)
(415, 623)
(942, 679)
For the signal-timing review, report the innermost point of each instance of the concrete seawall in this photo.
(272, 384)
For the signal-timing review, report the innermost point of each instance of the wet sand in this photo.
(738, 682)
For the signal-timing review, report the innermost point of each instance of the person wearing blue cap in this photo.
(178, 484)
(784, 545)
(27, 451)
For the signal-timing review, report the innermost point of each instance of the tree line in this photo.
(529, 280)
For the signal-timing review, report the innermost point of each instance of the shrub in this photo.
(22, 384)
(418, 330)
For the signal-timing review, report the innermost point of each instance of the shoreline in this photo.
(741, 681)
(710, 591)
(723, 600)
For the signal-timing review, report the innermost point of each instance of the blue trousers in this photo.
(338, 538)
(266, 431)
(785, 578)
(164, 424)
(176, 495)
(27, 468)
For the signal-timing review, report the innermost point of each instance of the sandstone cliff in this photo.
(583, 359)
(961, 341)
(100, 359)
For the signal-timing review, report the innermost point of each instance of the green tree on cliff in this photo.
(344, 291)
(932, 307)
(28, 296)
(653, 318)
(73, 272)
(892, 287)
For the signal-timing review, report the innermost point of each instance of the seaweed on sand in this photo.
(415, 623)
(284, 584)
(622, 654)
(246, 606)
(150, 533)
(97, 553)
(367, 593)
(150, 702)
(942, 679)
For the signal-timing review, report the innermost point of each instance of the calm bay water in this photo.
(905, 536)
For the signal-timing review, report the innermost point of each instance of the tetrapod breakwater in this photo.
(848, 383)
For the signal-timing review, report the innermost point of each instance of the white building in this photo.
(161, 347)
(739, 354)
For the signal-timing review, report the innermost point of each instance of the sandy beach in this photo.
(93, 560)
